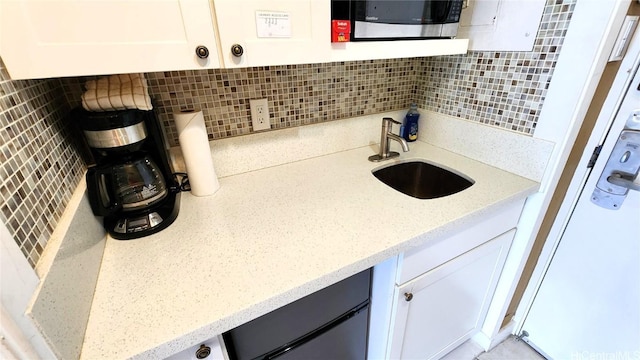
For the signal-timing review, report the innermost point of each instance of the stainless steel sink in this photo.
(422, 180)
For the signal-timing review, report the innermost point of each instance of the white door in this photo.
(93, 37)
(588, 304)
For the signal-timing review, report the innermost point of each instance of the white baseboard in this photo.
(488, 343)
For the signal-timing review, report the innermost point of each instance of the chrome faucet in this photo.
(386, 134)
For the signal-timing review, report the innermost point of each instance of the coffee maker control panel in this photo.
(132, 225)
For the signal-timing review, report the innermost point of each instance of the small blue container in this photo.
(409, 128)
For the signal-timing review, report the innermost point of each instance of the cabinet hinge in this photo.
(594, 156)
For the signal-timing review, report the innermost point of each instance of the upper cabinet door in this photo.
(501, 25)
(273, 32)
(51, 38)
(280, 32)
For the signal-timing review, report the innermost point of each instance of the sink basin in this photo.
(422, 180)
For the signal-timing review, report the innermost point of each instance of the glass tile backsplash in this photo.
(39, 166)
(297, 94)
(505, 89)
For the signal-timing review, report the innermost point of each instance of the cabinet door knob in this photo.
(237, 50)
(203, 352)
(408, 296)
(202, 52)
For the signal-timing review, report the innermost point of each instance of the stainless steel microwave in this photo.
(398, 19)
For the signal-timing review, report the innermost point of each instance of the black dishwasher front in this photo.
(331, 323)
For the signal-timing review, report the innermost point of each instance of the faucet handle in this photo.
(388, 119)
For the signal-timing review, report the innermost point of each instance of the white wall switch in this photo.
(260, 114)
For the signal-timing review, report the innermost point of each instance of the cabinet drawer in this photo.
(424, 258)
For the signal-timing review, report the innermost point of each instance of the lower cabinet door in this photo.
(440, 309)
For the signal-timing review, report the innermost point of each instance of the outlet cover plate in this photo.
(260, 114)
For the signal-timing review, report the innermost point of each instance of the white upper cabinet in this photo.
(88, 37)
(57, 38)
(501, 25)
(277, 32)
(273, 32)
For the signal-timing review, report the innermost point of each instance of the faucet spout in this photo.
(385, 136)
(402, 141)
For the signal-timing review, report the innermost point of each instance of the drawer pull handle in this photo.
(203, 352)
(408, 296)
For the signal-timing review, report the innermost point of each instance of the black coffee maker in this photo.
(131, 183)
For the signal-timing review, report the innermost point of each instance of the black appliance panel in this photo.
(405, 12)
(345, 341)
(290, 323)
(382, 20)
(108, 120)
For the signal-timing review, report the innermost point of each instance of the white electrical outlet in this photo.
(260, 114)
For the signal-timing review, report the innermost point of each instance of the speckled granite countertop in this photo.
(269, 237)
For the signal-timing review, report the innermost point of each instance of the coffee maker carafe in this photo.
(131, 184)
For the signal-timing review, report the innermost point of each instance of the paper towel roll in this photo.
(194, 142)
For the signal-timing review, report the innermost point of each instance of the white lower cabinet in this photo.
(440, 309)
(432, 298)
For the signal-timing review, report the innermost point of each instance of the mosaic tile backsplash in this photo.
(504, 89)
(297, 94)
(39, 166)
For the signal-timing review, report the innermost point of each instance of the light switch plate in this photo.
(260, 114)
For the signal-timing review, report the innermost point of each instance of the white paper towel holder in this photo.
(194, 143)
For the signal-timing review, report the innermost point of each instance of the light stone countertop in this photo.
(269, 237)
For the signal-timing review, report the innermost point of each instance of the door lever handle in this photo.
(623, 180)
